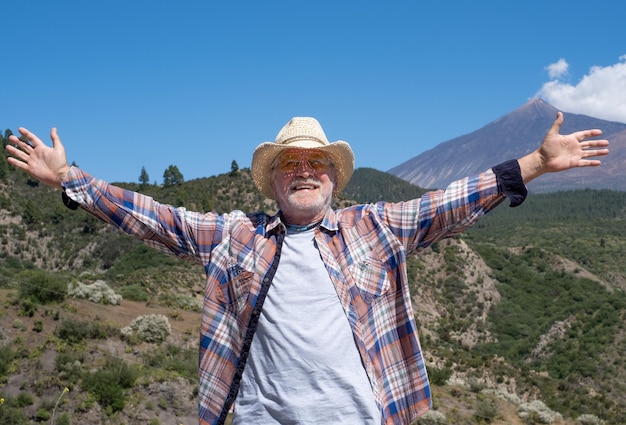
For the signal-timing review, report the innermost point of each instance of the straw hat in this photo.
(301, 133)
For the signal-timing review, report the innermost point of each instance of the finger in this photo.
(597, 152)
(25, 146)
(587, 134)
(589, 162)
(31, 137)
(17, 153)
(556, 125)
(17, 163)
(56, 140)
(15, 142)
(596, 143)
(592, 153)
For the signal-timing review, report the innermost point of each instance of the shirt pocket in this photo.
(235, 287)
(371, 277)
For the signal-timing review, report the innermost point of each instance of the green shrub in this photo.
(75, 331)
(38, 326)
(439, 376)
(70, 363)
(18, 324)
(486, 411)
(28, 307)
(24, 399)
(108, 384)
(43, 415)
(6, 357)
(174, 358)
(11, 413)
(134, 293)
(64, 419)
(42, 287)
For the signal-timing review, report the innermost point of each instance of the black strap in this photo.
(68, 202)
(252, 325)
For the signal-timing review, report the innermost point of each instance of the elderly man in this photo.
(307, 314)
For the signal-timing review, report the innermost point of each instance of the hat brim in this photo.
(339, 152)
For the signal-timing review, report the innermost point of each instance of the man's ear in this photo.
(272, 185)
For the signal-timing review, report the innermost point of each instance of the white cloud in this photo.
(558, 69)
(600, 94)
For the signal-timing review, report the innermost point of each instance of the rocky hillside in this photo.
(512, 136)
(521, 318)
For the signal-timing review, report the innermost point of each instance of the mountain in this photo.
(368, 185)
(518, 310)
(512, 136)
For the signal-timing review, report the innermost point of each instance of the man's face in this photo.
(303, 182)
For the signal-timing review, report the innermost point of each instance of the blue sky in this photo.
(198, 84)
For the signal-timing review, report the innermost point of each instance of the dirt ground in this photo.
(158, 401)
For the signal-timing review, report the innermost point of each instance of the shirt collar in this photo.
(329, 222)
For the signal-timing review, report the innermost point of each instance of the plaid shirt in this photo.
(364, 248)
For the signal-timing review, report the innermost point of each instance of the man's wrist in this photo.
(531, 166)
(61, 175)
(69, 202)
(509, 177)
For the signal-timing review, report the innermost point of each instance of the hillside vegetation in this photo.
(521, 319)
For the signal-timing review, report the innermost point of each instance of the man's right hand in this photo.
(44, 163)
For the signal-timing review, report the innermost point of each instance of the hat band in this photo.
(299, 138)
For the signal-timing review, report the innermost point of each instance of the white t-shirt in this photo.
(303, 366)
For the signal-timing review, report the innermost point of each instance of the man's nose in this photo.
(304, 168)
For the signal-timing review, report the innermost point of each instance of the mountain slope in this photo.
(528, 304)
(512, 136)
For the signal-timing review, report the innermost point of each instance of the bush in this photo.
(11, 413)
(134, 293)
(18, 324)
(149, 328)
(439, 376)
(486, 411)
(108, 384)
(38, 326)
(432, 417)
(64, 419)
(97, 292)
(174, 358)
(43, 415)
(6, 357)
(76, 330)
(42, 287)
(70, 363)
(537, 412)
(24, 399)
(28, 307)
(587, 419)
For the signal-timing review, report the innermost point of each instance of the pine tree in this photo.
(172, 176)
(234, 168)
(144, 178)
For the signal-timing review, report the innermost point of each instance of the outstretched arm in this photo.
(562, 152)
(44, 163)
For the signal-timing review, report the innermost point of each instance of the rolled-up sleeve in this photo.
(510, 180)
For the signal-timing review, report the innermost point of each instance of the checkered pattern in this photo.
(364, 248)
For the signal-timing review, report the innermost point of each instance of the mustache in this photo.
(309, 180)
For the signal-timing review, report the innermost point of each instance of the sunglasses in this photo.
(316, 161)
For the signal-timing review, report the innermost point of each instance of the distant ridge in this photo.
(512, 136)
